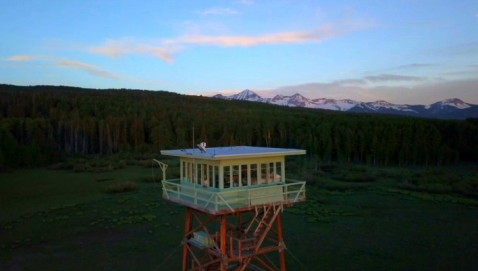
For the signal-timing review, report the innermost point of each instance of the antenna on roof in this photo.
(193, 138)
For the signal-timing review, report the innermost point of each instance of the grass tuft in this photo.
(121, 187)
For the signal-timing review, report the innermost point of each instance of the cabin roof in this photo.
(232, 152)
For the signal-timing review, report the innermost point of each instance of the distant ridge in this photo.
(447, 109)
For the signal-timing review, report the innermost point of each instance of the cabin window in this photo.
(195, 170)
(227, 177)
(210, 174)
(278, 172)
(216, 176)
(244, 176)
(253, 174)
(198, 174)
(184, 172)
(236, 176)
(265, 174)
(190, 172)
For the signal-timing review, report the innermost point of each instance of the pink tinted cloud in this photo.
(317, 34)
(167, 48)
(22, 58)
(115, 48)
(93, 70)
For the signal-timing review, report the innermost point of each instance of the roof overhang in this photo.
(235, 152)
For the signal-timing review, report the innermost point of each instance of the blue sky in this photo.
(401, 51)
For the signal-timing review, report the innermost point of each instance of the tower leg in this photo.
(281, 243)
(223, 241)
(185, 238)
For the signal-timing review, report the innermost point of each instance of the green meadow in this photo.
(95, 216)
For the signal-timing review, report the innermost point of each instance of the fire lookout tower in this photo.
(233, 198)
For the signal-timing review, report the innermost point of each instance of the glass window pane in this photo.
(243, 176)
(264, 174)
(253, 174)
(216, 177)
(235, 176)
(278, 172)
(227, 177)
(185, 176)
(198, 173)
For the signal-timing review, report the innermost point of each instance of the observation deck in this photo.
(225, 180)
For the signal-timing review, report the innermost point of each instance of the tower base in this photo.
(235, 241)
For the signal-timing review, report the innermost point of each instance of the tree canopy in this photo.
(38, 124)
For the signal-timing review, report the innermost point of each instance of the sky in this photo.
(400, 51)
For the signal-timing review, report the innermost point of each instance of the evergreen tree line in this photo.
(39, 125)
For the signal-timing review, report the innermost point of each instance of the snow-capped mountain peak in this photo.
(382, 103)
(454, 102)
(450, 108)
(298, 100)
(246, 95)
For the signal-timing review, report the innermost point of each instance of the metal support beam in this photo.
(187, 224)
(233, 246)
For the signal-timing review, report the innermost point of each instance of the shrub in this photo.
(466, 188)
(5, 169)
(355, 177)
(61, 166)
(104, 180)
(308, 177)
(359, 169)
(79, 168)
(329, 167)
(121, 164)
(121, 187)
(406, 185)
(150, 179)
(437, 188)
(434, 188)
(346, 186)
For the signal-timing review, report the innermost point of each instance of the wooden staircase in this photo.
(269, 214)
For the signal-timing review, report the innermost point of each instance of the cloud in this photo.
(93, 70)
(318, 34)
(22, 58)
(464, 49)
(250, 2)
(393, 78)
(66, 63)
(349, 82)
(166, 49)
(413, 66)
(218, 11)
(115, 48)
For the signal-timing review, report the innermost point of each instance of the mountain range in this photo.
(446, 109)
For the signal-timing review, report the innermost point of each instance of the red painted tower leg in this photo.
(186, 230)
(223, 240)
(281, 243)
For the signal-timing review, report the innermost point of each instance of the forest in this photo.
(41, 125)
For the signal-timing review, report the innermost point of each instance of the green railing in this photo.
(214, 200)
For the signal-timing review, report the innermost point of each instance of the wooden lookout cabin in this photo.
(233, 198)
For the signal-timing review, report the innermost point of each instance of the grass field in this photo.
(62, 220)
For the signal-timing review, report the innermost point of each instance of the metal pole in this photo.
(281, 243)
(187, 225)
(223, 241)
